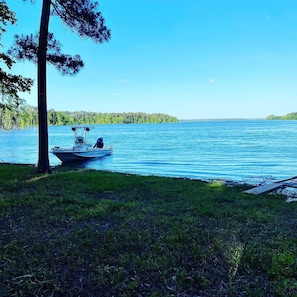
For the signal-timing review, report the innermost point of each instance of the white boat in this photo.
(82, 150)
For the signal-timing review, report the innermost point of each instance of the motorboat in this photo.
(82, 150)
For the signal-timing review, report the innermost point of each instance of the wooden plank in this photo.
(269, 187)
(291, 185)
(279, 181)
(264, 188)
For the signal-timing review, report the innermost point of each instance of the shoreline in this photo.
(289, 192)
(225, 181)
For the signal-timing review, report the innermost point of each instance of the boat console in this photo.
(79, 141)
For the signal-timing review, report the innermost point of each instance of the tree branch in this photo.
(81, 17)
(26, 48)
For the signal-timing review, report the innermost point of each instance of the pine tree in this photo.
(82, 17)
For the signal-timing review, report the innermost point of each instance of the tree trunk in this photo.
(43, 158)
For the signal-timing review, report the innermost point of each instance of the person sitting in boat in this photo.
(99, 143)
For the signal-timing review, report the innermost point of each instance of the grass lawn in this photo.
(91, 233)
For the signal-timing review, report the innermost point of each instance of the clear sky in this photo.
(193, 59)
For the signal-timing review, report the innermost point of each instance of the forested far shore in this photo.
(27, 116)
(289, 116)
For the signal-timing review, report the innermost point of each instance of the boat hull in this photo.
(68, 155)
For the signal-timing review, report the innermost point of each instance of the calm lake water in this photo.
(241, 150)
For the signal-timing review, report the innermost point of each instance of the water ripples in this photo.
(204, 149)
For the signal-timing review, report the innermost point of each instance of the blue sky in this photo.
(193, 59)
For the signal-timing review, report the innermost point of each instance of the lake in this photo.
(240, 150)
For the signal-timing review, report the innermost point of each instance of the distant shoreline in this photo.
(222, 119)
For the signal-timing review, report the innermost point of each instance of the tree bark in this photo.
(43, 158)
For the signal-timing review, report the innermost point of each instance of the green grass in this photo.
(92, 233)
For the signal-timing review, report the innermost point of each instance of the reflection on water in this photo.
(205, 149)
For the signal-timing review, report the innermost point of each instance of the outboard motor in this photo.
(99, 143)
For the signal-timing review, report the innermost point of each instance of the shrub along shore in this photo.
(96, 233)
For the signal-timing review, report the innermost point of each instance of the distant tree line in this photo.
(289, 116)
(26, 116)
